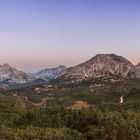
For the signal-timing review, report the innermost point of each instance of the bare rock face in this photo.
(50, 73)
(101, 65)
(13, 75)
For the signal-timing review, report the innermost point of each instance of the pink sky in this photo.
(38, 34)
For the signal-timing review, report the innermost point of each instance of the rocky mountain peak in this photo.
(101, 65)
(108, 57)
(8, 73)
(50, 73)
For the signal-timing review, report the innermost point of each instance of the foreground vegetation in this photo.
(20, 121)
(31, 115)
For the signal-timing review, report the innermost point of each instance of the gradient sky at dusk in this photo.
(36, 34)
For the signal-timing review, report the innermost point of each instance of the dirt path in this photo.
(37, 104)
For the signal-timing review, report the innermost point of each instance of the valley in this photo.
(79, 103)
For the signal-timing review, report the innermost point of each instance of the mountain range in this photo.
(101, 65)
(98, 66)
(12, 75)
(50, 73)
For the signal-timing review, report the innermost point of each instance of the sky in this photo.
(36, 34)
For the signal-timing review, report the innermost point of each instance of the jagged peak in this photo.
(13, 75)
(49, 73)
(53, 68)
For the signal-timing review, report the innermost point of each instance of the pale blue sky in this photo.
(36, 34)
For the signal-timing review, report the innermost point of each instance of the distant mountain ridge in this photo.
(101, 65)
(50, 73)
(12, 75)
